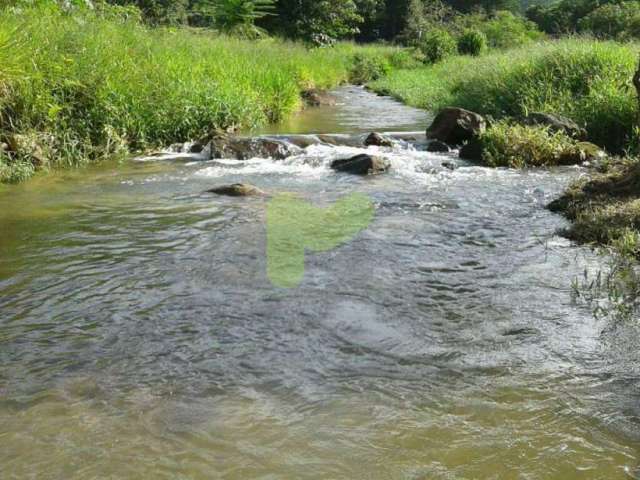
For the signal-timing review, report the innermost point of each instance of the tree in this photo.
(239, 16)
(307, 19)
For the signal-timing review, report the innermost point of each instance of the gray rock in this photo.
(237, 190)
(378, 140)
(454, 126)
(556, 123)
(196, 147)
(245, 148)
(449, 165)
(317, 98)
(361, 165)
(436, 146)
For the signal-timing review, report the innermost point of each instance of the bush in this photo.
(438, 45)
(366, 68)
(519, 146)
(506, 30)
(472, 42)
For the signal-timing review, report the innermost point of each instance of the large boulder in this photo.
(237, 190)
(556, 123)
(454, 126)
(245, 148)
(378, 140)
(361, 165)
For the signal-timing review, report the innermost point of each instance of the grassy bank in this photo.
(585, 80)
(78, 87)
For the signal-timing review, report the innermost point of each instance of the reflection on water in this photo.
(141, 338)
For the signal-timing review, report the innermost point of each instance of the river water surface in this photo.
(140, 337)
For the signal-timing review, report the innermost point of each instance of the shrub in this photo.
(366, 68)
(438, 45)
(506, 30)
(406, 59)
(472, 42)
(519, 146)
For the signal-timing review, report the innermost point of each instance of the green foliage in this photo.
(613, 21)
(518, 146)
(603, 18)
(438, 45)
(423, 17)
(472, 42)
(309, 19)
(239, 16)
(585, 80)
(366, 68)
(406, 58)
(506, 30)
(96, 86)
(14, 171)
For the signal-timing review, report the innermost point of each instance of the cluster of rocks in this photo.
(453, 128)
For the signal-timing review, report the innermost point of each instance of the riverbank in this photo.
(586, 80)
(76, 88)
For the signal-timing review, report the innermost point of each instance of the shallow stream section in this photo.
(141, 338)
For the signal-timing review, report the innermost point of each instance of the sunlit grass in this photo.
(586, 80)
(97, 85)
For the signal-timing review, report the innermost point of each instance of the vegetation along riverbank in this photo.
(82, 85)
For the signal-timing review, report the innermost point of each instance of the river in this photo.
(141, 338)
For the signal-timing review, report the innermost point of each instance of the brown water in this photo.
(140, 337)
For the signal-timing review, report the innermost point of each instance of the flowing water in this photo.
(141, 338)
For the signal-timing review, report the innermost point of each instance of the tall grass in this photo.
(84, 85)
(586, 80)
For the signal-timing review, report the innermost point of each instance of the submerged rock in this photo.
(556, 123)
(245, 148)
(361, 165)
(436, 146)
(378, 140)
(449, 165)
(317, 98)
(237, 190)
(454, 126)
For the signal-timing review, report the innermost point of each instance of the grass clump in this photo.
(472, 42)
(604, 207)
(585, 80)
(98, 83)
(519, 146)
(367, 68)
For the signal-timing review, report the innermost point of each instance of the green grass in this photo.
(90, 85)
(519, 146)
(585, 80)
